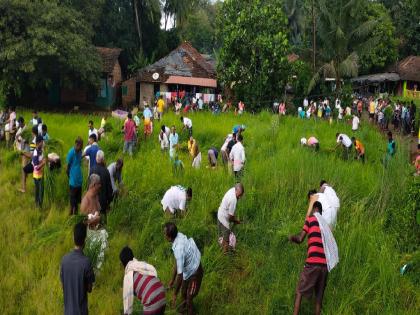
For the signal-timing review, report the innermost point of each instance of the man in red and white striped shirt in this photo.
(313, 278)
(147, 288)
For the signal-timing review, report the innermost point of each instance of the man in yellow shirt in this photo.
(160, 107)
(360, 149)
(192, 147)
(372, 108)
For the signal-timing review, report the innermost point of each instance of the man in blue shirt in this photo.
(188, 272)
(74, 172)
(238, 129)
(91, 151)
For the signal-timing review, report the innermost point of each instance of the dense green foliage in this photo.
(406, 17)
(261, 277)
(343, 35)
(253, 57)
(42, 41)
(385, 51)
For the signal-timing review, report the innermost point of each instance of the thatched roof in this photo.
(408, 68)
(109, 57)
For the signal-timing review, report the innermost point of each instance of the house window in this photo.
(102, 88)
(124, 90)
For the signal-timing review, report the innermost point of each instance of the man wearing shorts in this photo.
(28, 168)
(188, 272)
(313, 278)
(74, 172)
(226, 214)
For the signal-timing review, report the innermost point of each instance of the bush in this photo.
(402, 219)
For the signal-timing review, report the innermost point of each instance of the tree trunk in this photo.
(313, 38)
(136, 13)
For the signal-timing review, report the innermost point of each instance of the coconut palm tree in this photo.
(343, 36)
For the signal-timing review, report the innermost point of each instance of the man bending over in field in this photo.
(188, 272)
(321, 258)
(360, 149)
(329, 212)
(90, 205)
(140, 280)
(226, 214)
(345, 142)
(311, 142)
(176, 199)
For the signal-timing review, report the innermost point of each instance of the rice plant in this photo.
(377, 209)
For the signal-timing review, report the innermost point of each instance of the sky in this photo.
(170, 23)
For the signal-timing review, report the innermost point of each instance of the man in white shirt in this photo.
(173, 143)
(237, 156)
(187, 124)
(355, 123)
(115, 172)
(332, 197)
(223, 149)
(329, 213)
(34, 120)
(92, 130)
(345, 142)
(164, 137)
(176, 199)
(226, 213)
(187, 272)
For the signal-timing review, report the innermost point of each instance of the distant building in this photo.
(402, 79)
(106, 95)
(183, 73)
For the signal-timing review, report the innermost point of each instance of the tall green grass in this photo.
(260, 278)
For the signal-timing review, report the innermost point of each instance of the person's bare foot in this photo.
(22, 190)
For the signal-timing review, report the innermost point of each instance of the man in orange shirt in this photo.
(360, 149)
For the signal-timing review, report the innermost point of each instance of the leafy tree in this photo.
(200, 28)
(385, 52)
(295, 11)
(42, 41)
(343, 36)
(147, 14)
(180, 9)
(252, 59)
(91, 10)
(406, 17)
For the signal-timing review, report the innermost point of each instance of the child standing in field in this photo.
(38, 162)
(390, 148)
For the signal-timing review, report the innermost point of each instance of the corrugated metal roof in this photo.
(184, 61)
(378, 77)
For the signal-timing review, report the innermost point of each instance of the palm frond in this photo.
(326, 70)
(364, 47)
(364, 29)
(349, 67)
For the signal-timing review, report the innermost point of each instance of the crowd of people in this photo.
(105, 183)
